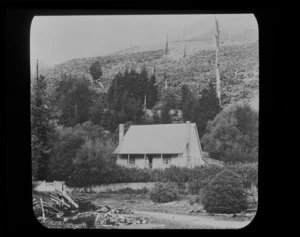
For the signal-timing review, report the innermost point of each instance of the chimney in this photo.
(188, 138)
(121, 133)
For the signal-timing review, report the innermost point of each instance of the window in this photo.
(167, 160)
(131, 160)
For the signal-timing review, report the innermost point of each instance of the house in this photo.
(160, 146)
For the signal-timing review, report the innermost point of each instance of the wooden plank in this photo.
(46, 205)
(42, 208)
(60, 202)
(65, 194)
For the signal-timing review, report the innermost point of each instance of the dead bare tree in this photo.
(165, 80)
(167, 49)
(37, 69)
(217, 44)
(184, 52)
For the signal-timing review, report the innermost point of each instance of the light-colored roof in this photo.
(154, 139)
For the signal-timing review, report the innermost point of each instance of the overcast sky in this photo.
(55, 39)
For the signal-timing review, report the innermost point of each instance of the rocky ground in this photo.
(129, 211)
(186, 213)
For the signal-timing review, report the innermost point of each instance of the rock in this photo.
(110, 222)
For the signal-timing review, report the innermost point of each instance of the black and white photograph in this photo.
(144, 121)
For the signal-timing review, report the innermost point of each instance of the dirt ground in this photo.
(172, 215)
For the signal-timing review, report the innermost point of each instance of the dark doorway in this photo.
(150, 158)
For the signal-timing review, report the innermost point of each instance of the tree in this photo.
(110, 120)
(65, 148)
(134, 110)
(97, 109)
(171, 98)
(152, 92)
(127, 93)
(95, 71)
(217, 44)
(42, 127)
(165, 115)
(74, 99)
(93, 162)
(187, 103)
(205, 108)
(232, 136)
(225, 194)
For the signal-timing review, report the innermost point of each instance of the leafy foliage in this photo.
(74, 98)
(164, 192)
(205, 109)
(127, 93)
(42, 127)
(187, 103)
(225, 194)
(200, 110)
(93, 162)
(95, 71)
(248, 173)
(200, 177)
(68, 143)
(233, 135)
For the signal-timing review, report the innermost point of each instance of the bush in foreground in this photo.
(225, 194)
(199, 177)
(164, 192)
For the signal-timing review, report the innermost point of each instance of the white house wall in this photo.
(178, 160)
(121, 161)
(157, 162)
(140, 162)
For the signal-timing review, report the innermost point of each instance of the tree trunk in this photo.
(75, 117)
(167, 49)
(217, 44)
(165, 80)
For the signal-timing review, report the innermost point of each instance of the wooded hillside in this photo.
(238, 67)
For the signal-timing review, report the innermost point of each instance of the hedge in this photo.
(197, 177)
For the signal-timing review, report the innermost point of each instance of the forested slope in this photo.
(238, 63)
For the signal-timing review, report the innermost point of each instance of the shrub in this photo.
(225, 194)
(201, 176)
(164, 192)
(232, 136)
(248, 173)
(133, 191)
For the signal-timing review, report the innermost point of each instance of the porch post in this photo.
(145, 160)
(162, 161)
(128, 159)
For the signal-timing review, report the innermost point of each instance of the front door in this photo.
(150, 158)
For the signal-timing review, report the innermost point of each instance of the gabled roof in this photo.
(155, 139)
